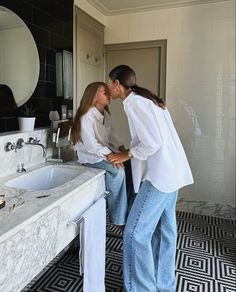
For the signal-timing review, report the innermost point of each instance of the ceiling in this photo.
(111, 7)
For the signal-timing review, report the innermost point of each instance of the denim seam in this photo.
(132, 235)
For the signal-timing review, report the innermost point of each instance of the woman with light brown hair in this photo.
(95, 138)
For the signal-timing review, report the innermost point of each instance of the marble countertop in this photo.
(2, 134)
(28, 207)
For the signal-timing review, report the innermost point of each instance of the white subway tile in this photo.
(223, 10)
(223, 24)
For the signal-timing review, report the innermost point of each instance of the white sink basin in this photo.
(45, 178)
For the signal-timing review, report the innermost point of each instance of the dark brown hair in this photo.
(127, 78)
(8, 105)
(87, 101)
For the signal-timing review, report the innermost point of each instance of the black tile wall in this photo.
(51, 24)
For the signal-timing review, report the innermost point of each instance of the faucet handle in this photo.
(31, 139)
(19, 143)
(34, 140)
(8, 146)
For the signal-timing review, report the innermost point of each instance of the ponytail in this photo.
(149, 95)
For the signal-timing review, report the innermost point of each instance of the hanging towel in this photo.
(92, 247)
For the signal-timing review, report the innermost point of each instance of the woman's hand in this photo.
(115, 165)
(122, 149)
(117, 158)
(118, 165)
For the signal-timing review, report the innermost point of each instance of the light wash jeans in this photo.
(116, 185)
(149, 243)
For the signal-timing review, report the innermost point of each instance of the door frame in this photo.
(160, 44)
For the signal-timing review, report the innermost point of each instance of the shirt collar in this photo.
(98, 115)
(128, 98)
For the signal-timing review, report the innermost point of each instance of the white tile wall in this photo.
(200, 86)
(29, 155)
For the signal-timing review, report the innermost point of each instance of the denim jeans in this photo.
(116, 185)
(149, 243)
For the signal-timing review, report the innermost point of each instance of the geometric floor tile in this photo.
(195, 264)
(195, 243)
(114, 277)
(217, 233)
(223, 251)
(184, 226)
(205, 259)
(225, 271)
(222, 287)
(192, 283)
(227, 227)
(198, 222)
(61, 276)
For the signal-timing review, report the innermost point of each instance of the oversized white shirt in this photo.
(98, 137)
(158, 155)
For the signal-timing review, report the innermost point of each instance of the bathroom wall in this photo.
(51, 24)
(29, 155)
(200, 89)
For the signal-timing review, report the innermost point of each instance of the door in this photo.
(148, 59)
(89, 39)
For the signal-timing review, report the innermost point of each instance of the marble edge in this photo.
(96, 173)
(3, 134)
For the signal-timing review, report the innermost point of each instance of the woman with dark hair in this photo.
(8, 109)
(94, 137)
(160, 168)
(7, 102)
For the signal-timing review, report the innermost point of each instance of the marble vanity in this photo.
(34, 230)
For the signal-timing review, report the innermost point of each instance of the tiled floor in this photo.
(205, 259)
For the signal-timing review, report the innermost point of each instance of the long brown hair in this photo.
(127, 78)
(87, 101)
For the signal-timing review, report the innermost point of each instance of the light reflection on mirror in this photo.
(19, 59)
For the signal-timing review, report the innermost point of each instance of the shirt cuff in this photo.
(136, 154)
(105, 151)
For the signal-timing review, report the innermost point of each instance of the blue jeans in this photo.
(149, 243)
(116, 185)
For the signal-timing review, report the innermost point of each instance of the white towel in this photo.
(92, 247)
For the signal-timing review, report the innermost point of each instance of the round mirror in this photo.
(19, 59)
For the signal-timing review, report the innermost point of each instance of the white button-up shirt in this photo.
(98, 137)
(158, 154)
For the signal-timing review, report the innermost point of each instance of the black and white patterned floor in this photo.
(205, 259)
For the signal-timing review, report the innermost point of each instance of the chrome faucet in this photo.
(35, 141)
(20, 143)
(14, 146)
